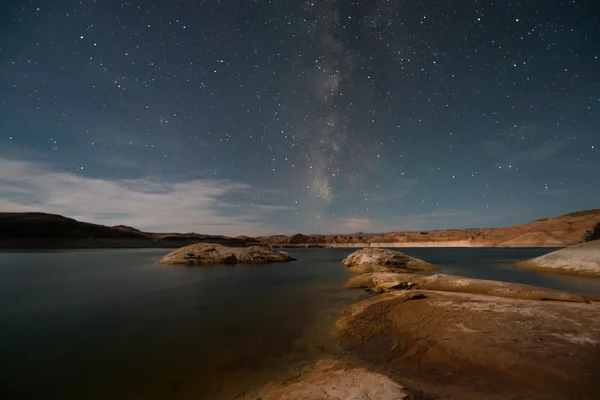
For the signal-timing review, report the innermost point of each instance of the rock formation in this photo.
(448, 337)
(561, 231)
(385, 282)
(331, 379)
(384, 260)
(210, 253)
(581, 259)
(593, 234)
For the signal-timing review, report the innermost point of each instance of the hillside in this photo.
(548, 232)
(41, 230)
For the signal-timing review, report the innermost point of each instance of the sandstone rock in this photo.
(209, 253)
(559, 231)
(593, 234)
(330, 379)
(467, 346)
(384, 260)
(383, 282)
(581, 259)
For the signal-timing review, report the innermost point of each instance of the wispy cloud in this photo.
(201, 205)
(512, 149)
(448, 219)
(355, 224)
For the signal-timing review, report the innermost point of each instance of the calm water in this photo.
(116, 324)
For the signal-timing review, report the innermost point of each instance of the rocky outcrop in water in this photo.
(448, 337)
(384, 260)
(581, 259)
(385, 282)
(209, 253)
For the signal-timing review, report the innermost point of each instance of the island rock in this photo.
(383, 260)
(210, 253)
(581, 259)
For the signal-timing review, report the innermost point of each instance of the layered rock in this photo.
(210, 253)
(330, 379)
(581, 259)
(384, 260)
(440, 337)
(384, 282)
(593, 234)
(560, 231)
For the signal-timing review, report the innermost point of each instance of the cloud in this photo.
(448, 219)
(512, 149)
(355, 224)
(202, 205)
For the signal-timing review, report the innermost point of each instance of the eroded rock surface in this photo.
(384, 260)
(381, 282)
(453, 345)
(208, 253)
(548, 232)
(330, 379)
(580, 259)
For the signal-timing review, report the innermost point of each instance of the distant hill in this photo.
(548, 232)
(41, 230)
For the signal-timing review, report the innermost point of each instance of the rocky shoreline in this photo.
(581, 259)
(447, 337)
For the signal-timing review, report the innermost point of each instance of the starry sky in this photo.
(262, 117)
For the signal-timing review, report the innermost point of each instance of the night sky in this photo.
(258, 117)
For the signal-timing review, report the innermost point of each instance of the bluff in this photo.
(41, 230)
(560, 231)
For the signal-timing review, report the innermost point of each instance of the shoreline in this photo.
(464, 343)
(449, 244)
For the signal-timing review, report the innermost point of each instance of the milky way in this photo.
(255, 117)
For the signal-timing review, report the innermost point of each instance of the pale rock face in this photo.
(580, 259)
(331, 380)
(210, 253)
(384, 260)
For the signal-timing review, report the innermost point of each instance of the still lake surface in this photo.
(113, 323)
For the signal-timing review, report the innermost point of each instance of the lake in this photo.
(114, 323)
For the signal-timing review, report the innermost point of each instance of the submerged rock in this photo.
(384, 260)
(210, 253)
(581, 259)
